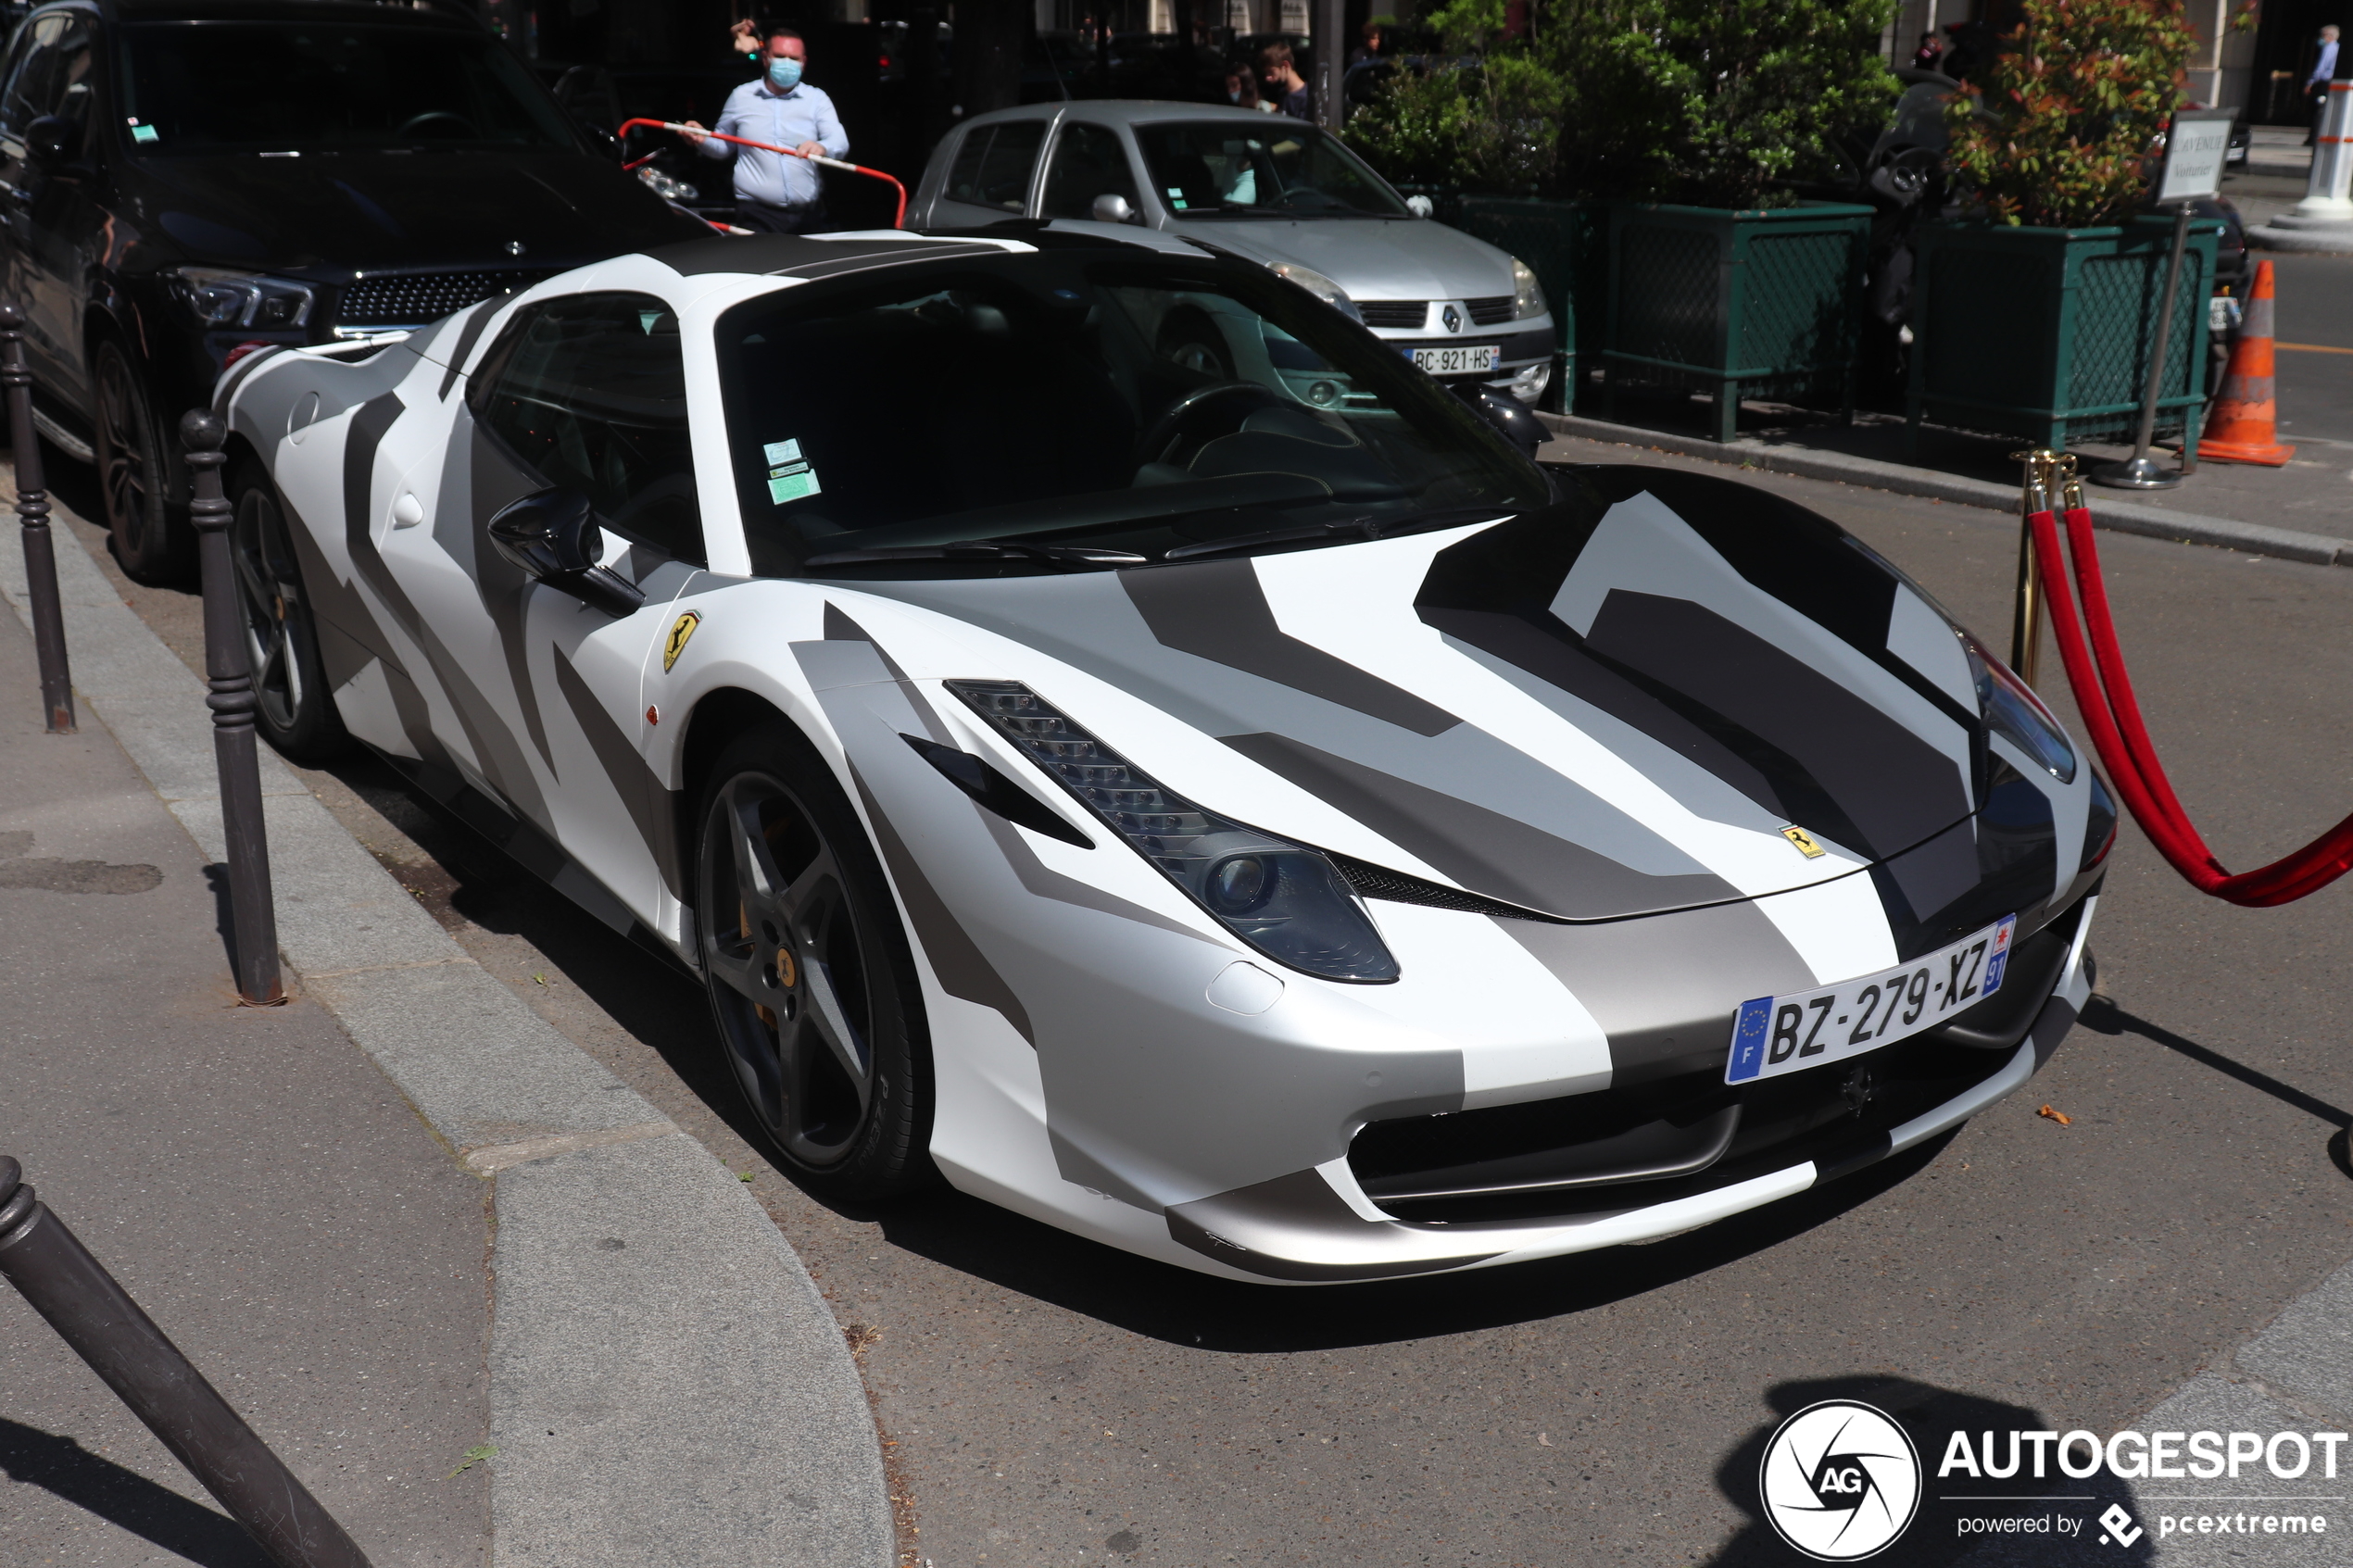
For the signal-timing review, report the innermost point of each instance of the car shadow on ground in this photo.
(1937, 1536)
(124, 1497)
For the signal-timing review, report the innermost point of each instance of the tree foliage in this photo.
(2061, 132)
(1712, 102)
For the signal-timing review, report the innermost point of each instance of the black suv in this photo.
(183, 178)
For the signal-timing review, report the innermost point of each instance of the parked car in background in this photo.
(186, 179)
(1269, 189)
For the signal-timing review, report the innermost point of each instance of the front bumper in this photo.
(1319, 1226)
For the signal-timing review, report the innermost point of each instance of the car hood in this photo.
(355, 211)
(1618, 706)
(1369, 258)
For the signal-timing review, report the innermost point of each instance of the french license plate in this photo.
(1456, 361)
(1775, 1034)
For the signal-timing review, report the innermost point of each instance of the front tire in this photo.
(813, 986)
(132, 471)
(292, 706)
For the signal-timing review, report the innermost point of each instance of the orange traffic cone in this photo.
(2245, 427)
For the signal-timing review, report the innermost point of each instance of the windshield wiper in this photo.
(980, 549)
(1362, 527)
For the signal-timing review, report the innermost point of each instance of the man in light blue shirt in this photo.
(779, 194)
(2316, 86)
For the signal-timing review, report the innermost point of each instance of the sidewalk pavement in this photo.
(260, 1188)
(2297, 513)
(665, 1386)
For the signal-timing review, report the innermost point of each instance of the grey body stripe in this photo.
(652, 808)
(499, 481)
(1217, 610)
(1485, 852)
(476, 319)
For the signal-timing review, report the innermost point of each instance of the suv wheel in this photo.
(132, 467)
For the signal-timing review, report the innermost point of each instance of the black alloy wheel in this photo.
(811, 980)
(131, 471)
(293, 708)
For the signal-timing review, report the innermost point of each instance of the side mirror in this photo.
(1516, 420)
(51, 138)
(1112, 207)
(554, 539)
(1421, 207)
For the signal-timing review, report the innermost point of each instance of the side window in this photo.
(53, 67)
(1088, 162)
(590, 392)
(992, 167)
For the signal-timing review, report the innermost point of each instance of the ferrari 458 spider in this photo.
(1109, 732)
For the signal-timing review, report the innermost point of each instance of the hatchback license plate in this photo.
(1775, 1034)
(1456, 361)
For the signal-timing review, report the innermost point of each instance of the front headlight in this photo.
(219, 298)
(1528, 294)
(1323, 288)
(2014, 712)
(1287, 901)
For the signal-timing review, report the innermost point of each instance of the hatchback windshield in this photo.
(212, 87)
(1160, 408)
(1229, 168)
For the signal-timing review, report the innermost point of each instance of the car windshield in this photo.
(222, 87)
(1229, 168)
(1143, 404)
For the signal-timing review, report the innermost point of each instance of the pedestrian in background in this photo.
(775, 193)
(1931, 53)
(1286, 89)
(1371, 48)
(1241, 87)
(2316, 86)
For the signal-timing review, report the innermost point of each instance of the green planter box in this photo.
(1734, 303)
(1563, 244)
(2045, 334)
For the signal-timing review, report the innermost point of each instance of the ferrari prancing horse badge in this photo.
(680, 630)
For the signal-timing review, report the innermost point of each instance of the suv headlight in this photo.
(2014, 712)
(1528, 294)
(1323, 288)
(1287, 901)
(219, 298)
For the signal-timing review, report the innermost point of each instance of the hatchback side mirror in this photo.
(1513, 418)
(1112, 207)
(553, 537)
(51, 138)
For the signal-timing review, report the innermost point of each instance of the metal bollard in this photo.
(53, 1271)
(32, 514)
(229, 671)
(2026, 624)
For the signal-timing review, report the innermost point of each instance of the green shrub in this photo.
(1712, 102)
(2069, 109)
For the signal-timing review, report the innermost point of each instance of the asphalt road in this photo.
(1048, 1402)
(2315, 312)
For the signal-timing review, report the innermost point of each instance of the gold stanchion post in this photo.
(2026, 624)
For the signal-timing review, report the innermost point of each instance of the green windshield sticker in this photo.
(782, 452)
(145, 133)
(798, 485)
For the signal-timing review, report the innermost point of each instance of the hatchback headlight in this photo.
(219, 298)
(1528, 294)
(2014, 712)
(1288, 902)
(1323, 288)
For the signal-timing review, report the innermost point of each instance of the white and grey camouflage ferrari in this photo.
(1110, 733)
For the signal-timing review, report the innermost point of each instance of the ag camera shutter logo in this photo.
(1839, 1481)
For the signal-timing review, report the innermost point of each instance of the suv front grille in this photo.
(1395, 312)
(1491, 312)
(404, 299)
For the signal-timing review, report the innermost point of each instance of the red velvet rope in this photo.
(2112, 715)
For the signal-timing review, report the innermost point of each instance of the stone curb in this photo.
(2120, 516)
(668, 1388)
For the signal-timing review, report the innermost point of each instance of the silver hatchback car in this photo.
(1270, 189)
